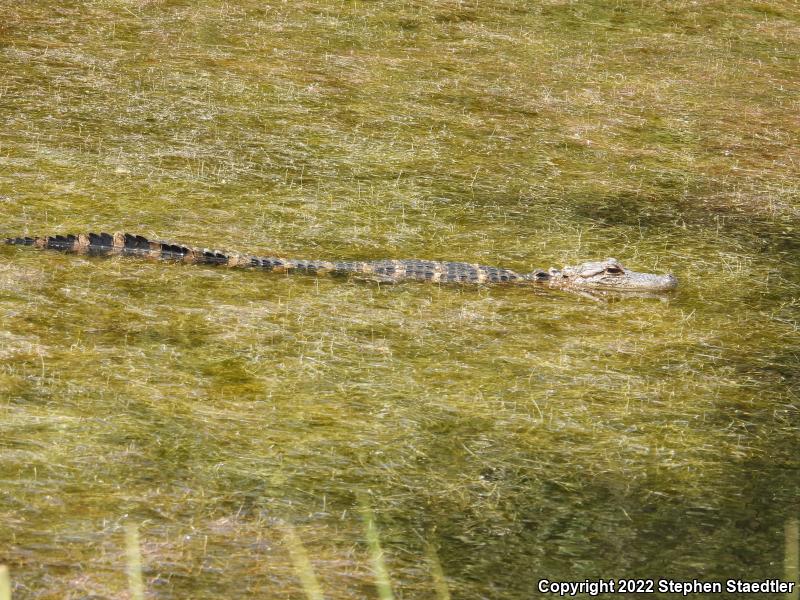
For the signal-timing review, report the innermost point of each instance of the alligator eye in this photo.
(614, 270)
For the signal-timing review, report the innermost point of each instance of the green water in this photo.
(514, 434)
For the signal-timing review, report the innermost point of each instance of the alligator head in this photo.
(609, 274)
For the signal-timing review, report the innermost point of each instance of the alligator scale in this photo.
(609, 274)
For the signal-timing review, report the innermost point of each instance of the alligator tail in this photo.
(137, 245)
(56, 242)
(126, 244)
(20, 241)
(291, 265)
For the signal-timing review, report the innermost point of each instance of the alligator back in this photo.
(389, 271)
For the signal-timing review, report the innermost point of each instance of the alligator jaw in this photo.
(609, 274)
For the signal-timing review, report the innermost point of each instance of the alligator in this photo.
(607, 274)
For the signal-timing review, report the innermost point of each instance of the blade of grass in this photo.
(792, 557)
(439, 582)
(302, 565)
(382, 582)
(133, 562)
(5, 583)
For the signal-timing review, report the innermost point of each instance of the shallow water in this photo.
(521, 434)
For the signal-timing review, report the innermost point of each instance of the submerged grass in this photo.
(439, 580)
(792, 556)
(521, 434)
(133, 562)
(383, 584)
(302, 564)
(5, 583)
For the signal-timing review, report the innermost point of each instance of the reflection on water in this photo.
(499, 435)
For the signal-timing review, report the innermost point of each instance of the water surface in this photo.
(519, 434)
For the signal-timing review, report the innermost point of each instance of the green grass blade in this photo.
(133, 562)
(302, 564)
(792, 557)
(439, 581)
(382, 581)
(5, 583)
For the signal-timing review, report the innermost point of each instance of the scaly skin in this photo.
(605, 275)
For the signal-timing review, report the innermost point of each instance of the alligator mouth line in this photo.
(606, 275)
(610, 274)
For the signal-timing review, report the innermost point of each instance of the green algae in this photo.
(521, 434)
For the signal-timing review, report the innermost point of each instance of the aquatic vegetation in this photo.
(498, 435)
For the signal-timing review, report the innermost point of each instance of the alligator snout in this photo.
(669, 282)
(610, 274)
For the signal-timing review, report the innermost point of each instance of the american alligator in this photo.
(608, 274)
